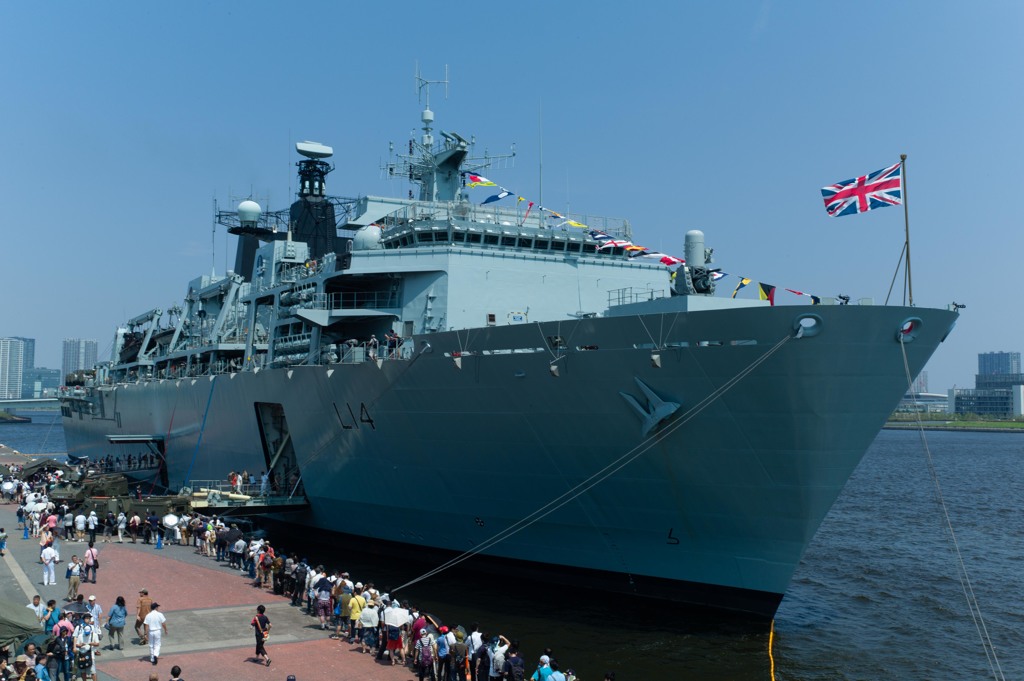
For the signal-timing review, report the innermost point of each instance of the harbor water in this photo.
(878, 594)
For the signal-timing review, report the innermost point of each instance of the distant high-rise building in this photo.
(78, 355)
(30, 352)
(12, 362)
(998, 363)
(920, 384)
(28, 364)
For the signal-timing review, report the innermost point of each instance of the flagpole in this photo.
(906, 222)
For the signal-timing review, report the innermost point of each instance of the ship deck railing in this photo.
(251, 498)
(351, 351)
(401, 213)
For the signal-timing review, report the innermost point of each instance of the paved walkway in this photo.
(208, 608)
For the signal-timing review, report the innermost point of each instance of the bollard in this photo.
(25, 536)
(159, 540)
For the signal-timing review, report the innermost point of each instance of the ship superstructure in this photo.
(484, 362)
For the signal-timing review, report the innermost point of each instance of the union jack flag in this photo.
(867, 192)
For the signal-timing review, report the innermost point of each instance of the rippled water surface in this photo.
(877, 595)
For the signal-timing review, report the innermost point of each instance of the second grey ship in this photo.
(520, 388)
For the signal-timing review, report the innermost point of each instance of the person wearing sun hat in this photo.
(87, 639)
(142, 608)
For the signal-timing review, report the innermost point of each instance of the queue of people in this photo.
(371, 620)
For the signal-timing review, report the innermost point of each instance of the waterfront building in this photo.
(79, 355)
(12, 362)
(997, 403)
(40, 382)
(998, 388)
(998, 363)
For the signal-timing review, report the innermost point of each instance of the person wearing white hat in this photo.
(92, 522)
(96, 609)
(87, 639)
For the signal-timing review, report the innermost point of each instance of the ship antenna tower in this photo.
(423, 91)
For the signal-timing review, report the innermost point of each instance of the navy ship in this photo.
(436, 374)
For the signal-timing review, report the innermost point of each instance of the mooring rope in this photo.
(606, 472)
(962, 574)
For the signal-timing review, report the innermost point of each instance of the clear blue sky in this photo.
(121, 122)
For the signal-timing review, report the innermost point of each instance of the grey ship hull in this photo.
(718, 512)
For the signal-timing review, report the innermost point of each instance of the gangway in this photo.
(220, 495)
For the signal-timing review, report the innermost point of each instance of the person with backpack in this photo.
(133, 527)
(322, 588)
(299, 580)
(265, 563)
(515, 667)
(62, 651)
(459, 654)
(424, 654)
(497, 651)
(86, 640)
(543, 669)
(122, 523)
(92, 562)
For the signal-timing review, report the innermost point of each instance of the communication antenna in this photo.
(423, 90)
(213, 242)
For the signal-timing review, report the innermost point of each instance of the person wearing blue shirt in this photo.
(42, 674)
(116, 619)
(543, 669)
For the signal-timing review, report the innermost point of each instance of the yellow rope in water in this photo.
(771, 658)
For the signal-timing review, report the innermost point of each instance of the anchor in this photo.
(656, 411)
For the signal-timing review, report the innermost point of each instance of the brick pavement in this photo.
(208, 608)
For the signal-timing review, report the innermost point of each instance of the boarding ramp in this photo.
(208, 496)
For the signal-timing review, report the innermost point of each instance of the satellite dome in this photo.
(367, 238)
(249, 212)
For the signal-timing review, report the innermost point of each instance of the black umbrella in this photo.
(76, 608)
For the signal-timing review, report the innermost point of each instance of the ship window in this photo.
(491, 320)
(459, 237)
(557, 245)
(573, 248)
(589, 248)
(508, 241)
(441, 237)
(525, 243)
(474, 238)
(425, 237)
(541, 244)
(406, 240)
(491, 239)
